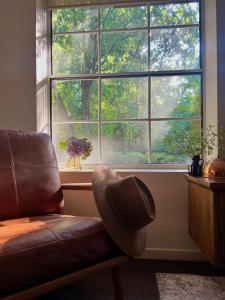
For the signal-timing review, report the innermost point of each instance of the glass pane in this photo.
(74, 100)
(165, 134)
(124, 98)
(176, 96)
(175, 49)
(124, 17)
(125, 143)
(60, 132)
(174, 14)
(74, 19)
(124, 51)
(75, 54)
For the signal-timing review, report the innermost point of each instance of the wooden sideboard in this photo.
(207, 217)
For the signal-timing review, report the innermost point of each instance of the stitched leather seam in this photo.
(35, 166)
(29, 166)
(60, 241)
(13, 170)
(51, 243)
(56, 235)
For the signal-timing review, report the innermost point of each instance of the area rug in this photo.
(190, 287)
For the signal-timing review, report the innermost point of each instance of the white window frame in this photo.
(148, 74)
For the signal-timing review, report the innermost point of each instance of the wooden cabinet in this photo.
(207, 217)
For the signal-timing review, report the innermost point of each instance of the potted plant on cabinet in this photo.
(196, 144)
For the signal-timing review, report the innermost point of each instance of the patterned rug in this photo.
(190, 287)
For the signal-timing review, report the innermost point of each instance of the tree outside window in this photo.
(128, 78)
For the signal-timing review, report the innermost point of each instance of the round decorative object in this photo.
(214, 168)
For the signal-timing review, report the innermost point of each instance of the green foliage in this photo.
(74, 19)
(124, 52)
(68, 97)
(176, 96)
(124, 17)
(171, 49)
(76, 52)
(195, 141)
(124, 98)
(174, 14)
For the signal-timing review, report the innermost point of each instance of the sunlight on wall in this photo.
(210, 84)
(42, 67)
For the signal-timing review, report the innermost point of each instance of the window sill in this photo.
(183, 171)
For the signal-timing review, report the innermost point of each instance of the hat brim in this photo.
(132, 243)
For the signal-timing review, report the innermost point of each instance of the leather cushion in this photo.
(35, 249)
(29, 176)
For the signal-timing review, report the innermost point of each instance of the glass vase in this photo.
(73, 163)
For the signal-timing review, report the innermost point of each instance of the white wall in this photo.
(17, 64)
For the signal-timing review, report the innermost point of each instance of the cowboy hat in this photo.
(126, 206)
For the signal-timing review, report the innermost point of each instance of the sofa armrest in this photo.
(77, 186)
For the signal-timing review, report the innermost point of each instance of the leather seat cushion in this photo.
(35, 249)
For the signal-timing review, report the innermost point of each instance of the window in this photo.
(128, 78)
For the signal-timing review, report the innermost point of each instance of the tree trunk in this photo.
(85, 86)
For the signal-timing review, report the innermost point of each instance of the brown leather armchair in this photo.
(40, 248)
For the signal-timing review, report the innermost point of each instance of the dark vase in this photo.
(195, 169)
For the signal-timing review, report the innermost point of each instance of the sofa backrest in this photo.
(29, 176)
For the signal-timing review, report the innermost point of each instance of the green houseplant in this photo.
(195, 144)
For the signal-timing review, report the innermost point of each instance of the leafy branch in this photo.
(196, 141)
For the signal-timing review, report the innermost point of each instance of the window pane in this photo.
(175, 49)
(124, 51)
(60, 132)
(125, 143)
(174, 14)
(74, 19)
(176, 96)
(124, 17)
(75, 54)
(163, 134)
(75, 100)
(124, 98)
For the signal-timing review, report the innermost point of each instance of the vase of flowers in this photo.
(73, 163)
(77, 149)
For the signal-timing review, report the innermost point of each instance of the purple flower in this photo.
(78, 147)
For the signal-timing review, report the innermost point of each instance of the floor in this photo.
(138, 281)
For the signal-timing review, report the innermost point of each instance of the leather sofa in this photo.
(40, 248)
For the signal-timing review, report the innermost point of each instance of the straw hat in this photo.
(126, 206)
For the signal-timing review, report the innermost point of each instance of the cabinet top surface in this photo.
(216, 184)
